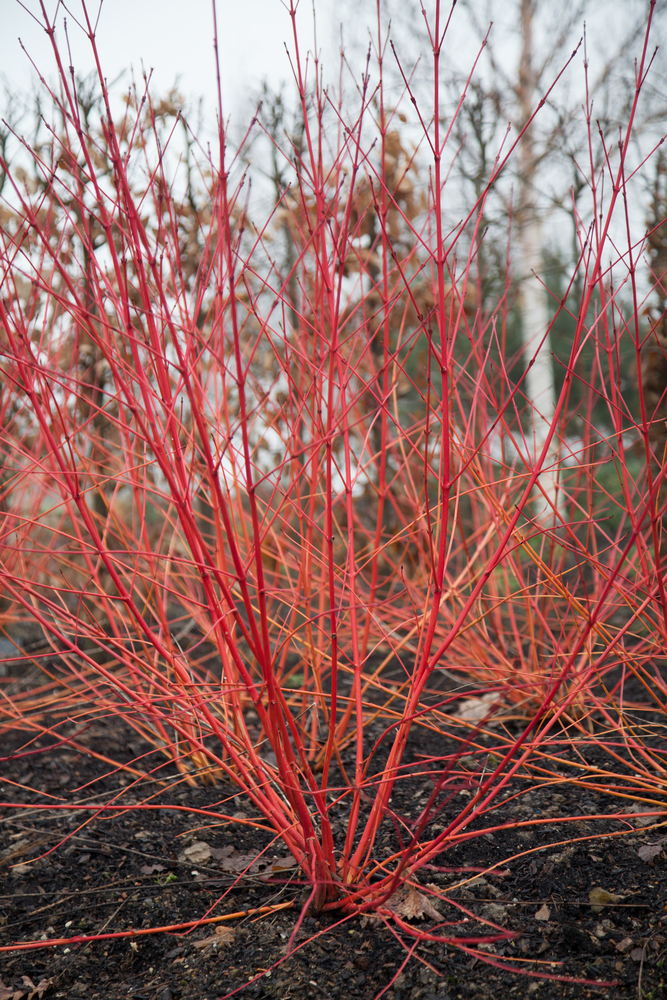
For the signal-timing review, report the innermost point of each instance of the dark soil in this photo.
(111, 873)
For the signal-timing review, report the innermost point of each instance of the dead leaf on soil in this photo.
(151, 869)
(222, 936)
(599, 898)
(232, 860)
(476, 709)
(34, 991)
(218, 853)
(237, 862)
(543, 913)
(196, 853)
(496, 912)
(276, 866)
(640, 807)
(637, 954)
(408, 902)
(21, 847)
(647, 852)
(20, 869)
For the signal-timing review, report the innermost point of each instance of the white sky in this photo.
(174, 38)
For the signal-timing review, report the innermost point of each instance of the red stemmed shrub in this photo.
(301, 438)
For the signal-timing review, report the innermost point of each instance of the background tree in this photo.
(535, 203)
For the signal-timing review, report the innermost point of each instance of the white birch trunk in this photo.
(539, 384)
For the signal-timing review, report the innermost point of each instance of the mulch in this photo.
(138, 870)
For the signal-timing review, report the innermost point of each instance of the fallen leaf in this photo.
(39, 990)
(20, 847)
(8, 994)
(496, 912)
(640, 807)
(625, 945)
(237, 862)
(408, 902)
(276, 866)
(543, 913)
(637, 954)
(232, 860)
(599, 898)
(196, 853)
(151, 869)
(649, 851)
(476, 709)
(222, 852)
(20, 869)
(222, 936)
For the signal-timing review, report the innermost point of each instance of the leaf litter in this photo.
(233, 861)
(408, 902)
(29, 992)
(648, 852)
(599, 898)
(222, 936)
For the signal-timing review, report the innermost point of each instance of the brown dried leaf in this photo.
(412, 905)
(640, 807)
(649, 851)
(151, 869)
(9, 994)
(543, 913)
(196, 853)
(599, 898)
(637, 954)
(237, 862)
(20, 847)
(36, 991)
(222, 936)
(496, 912)
(476, 709)
(218, 853)
(276, 866)
(20, 869)
(281, 864)
(232, 860)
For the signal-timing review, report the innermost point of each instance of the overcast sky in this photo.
(174, 38)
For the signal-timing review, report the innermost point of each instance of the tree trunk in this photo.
(539, 384)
